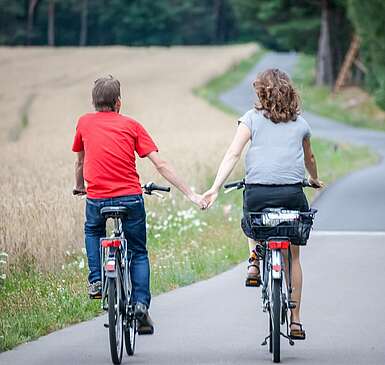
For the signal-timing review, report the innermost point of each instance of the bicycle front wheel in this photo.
(276, 319)
(115, 319)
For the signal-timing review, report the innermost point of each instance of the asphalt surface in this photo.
(219, 321)
(356, 202)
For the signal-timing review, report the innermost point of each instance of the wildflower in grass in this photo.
(3, 263)
(226, 210)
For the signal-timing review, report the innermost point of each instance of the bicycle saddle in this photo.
(114, 212)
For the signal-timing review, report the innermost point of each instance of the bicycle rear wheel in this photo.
(276, 320)
(130, 337)
(115, 319)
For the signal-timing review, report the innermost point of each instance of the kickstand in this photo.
(264, 343)
(291, 342)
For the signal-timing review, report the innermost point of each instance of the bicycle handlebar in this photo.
(150, 187)
(78, 192)
(241, 184)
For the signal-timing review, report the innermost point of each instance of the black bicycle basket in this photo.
(279, 222)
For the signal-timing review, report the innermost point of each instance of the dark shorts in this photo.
(257, 197)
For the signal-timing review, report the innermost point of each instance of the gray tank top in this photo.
(275, 155)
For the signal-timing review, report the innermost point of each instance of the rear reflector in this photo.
(277, 268)
(110, 265)
(111, 243)
(276, 245)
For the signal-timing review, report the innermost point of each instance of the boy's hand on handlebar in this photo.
(315, 183)
(79, 191)
(210, 196)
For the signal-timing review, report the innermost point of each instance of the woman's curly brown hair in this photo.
(278, 99)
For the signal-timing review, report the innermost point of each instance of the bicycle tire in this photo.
(276, 320)
(115, 320)
(130, 337)
(271, 335)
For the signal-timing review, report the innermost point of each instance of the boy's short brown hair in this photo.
(105, 93)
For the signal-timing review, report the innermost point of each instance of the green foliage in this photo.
(321, 101)
(129, 22)
(280, 24)
(368, 18)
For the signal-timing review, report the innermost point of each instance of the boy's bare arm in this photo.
(168, 172)
(79, 179)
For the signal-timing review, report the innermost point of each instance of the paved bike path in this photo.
(219, 321)
(355, 202)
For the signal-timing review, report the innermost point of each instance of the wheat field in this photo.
(43, 92)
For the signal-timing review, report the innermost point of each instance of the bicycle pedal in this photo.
(106, 325)
(97, 296)
(252, 283)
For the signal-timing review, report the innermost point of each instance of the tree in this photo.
(51, 23)
(324, 75)
(368, 19)
(31, 11)
(83, 23)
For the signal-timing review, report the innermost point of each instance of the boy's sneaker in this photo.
(95, 290)
(145, 324)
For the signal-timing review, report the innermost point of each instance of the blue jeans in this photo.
(134, 227)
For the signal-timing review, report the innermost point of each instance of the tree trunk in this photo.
(51, 23)
(31, 12)
(218, 21)
(83, 24)
(324, 58)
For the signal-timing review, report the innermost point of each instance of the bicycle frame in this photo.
(274, 268)
(115, 261)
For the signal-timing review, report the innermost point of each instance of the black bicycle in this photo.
(275, 229)
(116, 282)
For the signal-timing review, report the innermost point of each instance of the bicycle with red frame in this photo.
(275, 229)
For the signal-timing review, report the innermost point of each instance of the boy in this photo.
(105, 143)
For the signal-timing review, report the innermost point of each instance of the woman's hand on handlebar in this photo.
(315, 183)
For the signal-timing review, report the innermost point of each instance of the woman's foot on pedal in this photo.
(296, 331)
(253, 278)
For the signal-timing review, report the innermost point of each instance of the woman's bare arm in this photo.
(310, 162)
(229, 161)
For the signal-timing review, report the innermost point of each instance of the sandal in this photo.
(253, 279)
(297, 334)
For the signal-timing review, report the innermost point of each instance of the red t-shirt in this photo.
(110, 141)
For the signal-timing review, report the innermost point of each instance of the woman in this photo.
(279, 151)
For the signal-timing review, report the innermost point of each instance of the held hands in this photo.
(209, 197)
(198, 200)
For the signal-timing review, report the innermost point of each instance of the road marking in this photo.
(349, 233)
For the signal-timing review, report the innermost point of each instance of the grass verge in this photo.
(352, 105)
(185, 246)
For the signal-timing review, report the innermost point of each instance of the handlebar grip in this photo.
(149, 187)
(234, 184)
(167, 189)
(78, 192)
(306, 184)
